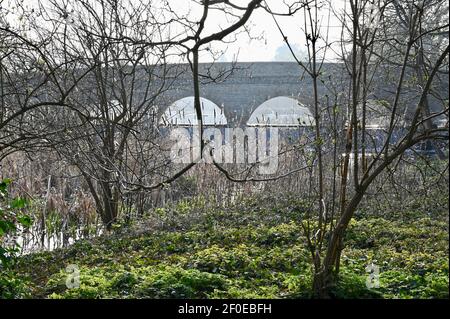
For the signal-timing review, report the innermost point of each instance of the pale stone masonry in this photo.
(245, 86)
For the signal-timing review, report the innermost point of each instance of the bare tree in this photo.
(364, 29)
(367, 50)
(30, 82)
(109, 133)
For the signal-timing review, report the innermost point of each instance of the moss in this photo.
(253, 250)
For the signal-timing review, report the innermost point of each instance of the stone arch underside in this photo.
(281, 111)
(182, 112)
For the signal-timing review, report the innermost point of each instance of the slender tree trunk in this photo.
(110, 205)
(322, 283)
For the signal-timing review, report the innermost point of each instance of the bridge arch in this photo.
(182, 113)
(281, 111)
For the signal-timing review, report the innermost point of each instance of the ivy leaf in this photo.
(18, 203)
(6, 226)
(25, 220)
(4, 185)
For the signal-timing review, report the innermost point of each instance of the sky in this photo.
(264, 41)
(267, 43)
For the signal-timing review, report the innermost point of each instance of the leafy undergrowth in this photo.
(254, 250)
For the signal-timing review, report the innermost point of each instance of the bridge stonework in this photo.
(246, 86)
(241, 87)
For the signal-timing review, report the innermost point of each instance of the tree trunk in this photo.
(110, 207)
(326, 277)
(323, 283)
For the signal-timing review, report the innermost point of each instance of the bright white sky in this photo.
(266, 43)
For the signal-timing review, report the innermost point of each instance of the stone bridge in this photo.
(238, 89)
(242, 87)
